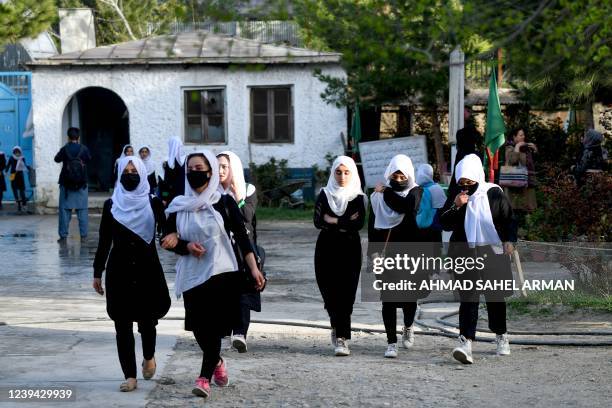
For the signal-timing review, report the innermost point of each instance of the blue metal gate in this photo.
(15, 104)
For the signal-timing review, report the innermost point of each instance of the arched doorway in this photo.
(103, 119)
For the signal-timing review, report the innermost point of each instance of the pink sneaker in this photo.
(219, 376)
(201, 387)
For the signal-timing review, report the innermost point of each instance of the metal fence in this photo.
(271, 32)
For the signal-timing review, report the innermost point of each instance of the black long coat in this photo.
(497, 267)
(136, 288)
(405, 232)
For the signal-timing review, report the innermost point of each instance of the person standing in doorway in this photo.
(73, 184)
(17, 167)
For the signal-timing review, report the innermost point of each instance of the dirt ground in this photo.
(289, 367)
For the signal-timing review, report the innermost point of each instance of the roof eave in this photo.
(56, 62)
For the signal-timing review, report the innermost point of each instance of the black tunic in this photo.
(251, 299)
(136, 288)
(152, 179)
(173, 183)
(18, 183)
(497, 267)
(406, 231)
(338, 256)
(214, 303)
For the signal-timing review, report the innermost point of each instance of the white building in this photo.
(221, 92)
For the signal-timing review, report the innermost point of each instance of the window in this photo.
(205, 116)
(271, 115)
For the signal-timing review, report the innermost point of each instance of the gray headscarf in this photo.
(592, 138)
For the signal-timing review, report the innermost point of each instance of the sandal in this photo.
(148, 373)
(129, 385)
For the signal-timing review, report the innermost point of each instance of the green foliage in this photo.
(268, 176)
(392, 51)
(559, 49)
(567, 212)
(25, 19)
(539, 303)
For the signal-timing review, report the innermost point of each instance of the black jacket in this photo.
(136, 288)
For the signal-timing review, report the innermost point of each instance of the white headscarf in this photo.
(192, 201)
(123, 155)
(236, 175)
(20, 166)
(479, 227)
(149, 164)
(386, 217)
(339, 197)
(132, 209)
(424, 176)
(175, 152)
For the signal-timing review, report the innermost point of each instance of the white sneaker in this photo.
(226, 343)
(239, 343)
(333, 337)
(342, 348)
(391, 351)
(503, 344)
(408, 336)
(463, 353)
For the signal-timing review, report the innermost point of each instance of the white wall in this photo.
(154, 98)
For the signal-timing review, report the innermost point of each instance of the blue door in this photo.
(15, 104)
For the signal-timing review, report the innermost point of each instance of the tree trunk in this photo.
(437, 136)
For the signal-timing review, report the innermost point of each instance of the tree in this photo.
(125, 20)
(559, 49)
(393, 51)
(24, 19)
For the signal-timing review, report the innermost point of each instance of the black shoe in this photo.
(61, 240)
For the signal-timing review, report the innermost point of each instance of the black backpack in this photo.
(75, 171)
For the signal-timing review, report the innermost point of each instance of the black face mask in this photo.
(399, 185)
(130, 181)
(470, 189)
(197, 179)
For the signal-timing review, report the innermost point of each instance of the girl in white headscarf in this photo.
(201, 227)
(173, 182)
(146, 155)
(232, 182)
(127, 150)
(17, 168)
(393, 220)
(340, 213)
(136, 289)
(481, 220)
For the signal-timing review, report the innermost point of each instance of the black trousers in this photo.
(468, 318)
(244, 320)
(210, 343)
(389, 313)
(126, 345)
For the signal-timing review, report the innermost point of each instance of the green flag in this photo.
(356, 129)
(494, 133)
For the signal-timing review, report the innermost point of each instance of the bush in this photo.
(268, 175)
(567, 212)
